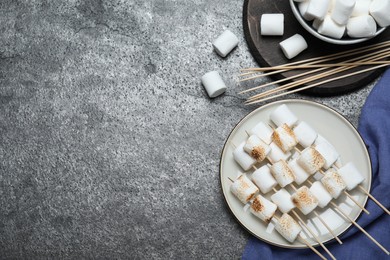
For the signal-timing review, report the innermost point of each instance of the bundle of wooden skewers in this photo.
(317, 71)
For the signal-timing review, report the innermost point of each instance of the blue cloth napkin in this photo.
(374, 127)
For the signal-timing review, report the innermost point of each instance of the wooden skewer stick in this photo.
(312, 233)
(316, 84)
(322, 221)
(330, 56)
(317, 76)
(374, 199)
(359, 227)
(366, 57)
(304, 241)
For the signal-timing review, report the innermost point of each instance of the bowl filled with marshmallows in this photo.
(342, 21)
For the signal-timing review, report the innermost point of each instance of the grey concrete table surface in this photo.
(110, 146)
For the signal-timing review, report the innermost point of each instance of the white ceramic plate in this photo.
(338, 131)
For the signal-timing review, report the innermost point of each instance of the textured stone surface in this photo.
(110, 146)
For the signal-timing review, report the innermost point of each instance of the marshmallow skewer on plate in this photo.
(265, 210)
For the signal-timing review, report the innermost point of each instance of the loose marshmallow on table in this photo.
(322, 195)
(380, 10)
(263, 208)
(304, 200)
(225, 43)
(243, 158)
(330, 28)
(272, 24)
(362, 7)
(263, 131)
(288, 227)
(243, 188)
(282, 173)
(351, 175)
(302, 7)
(310, 160)
(318, 8)
(342, 11)
(283, 200)
(292, 46)
(361, 26)
(328, 152)
(284, 137)
(305, 134)
(300, 175)
(213, 84)
(277, 154)
(333, 183)
(283, 115)
(263, 179)
(256, 148)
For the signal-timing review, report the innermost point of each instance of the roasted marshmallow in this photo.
(300, 175)
(333, 183)
(263, 208)
(243, 189)
(304, 200)
(256, 148)
(328, 152)
(311, 160)
(282, 173)
(284, 137)
(288, 227)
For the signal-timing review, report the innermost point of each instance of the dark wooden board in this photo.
(266, 50)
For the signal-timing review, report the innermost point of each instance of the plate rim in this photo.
(307, 102)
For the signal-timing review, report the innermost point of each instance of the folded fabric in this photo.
(374, 127)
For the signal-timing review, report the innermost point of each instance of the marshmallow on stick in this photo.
(263, 208)
(244, 189)
(263, 179)
(288, 227)
(243, 158)
(284, 137)
(256, 148)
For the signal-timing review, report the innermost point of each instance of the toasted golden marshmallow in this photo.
(304, 200)
(288, 227)
(256, 148)
(282, 173)
(333, 183)
(244, 189)
(284, 138)
(263, 208)
(311, 160)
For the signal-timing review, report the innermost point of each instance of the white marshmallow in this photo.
(329, 28)
(282, 173)
(351, 175)
(256, 148)
(299, 1)
(243, 188)
(305, 134)
(361, 26)
(288, 227)
(263, 179)
(283, 115)
(321, 194)
(263, 131)
(225, 43)
(318, 8)
(272, 24)
(263, 208)
(380, 10)
(213, 84)
(284, 137)
(302, 7)
(242, 158)
(300, 175)
(292, 46)
(310, 160)
(277, 154)
(342, 11)
(316, 23)
(328, 152)
(304, 200)
(333, 183)
(362, 7)
(283, 200)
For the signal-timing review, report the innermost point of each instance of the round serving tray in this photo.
(266, 50)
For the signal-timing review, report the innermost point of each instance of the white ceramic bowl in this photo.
(343, 41)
